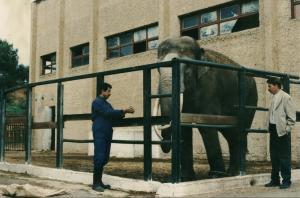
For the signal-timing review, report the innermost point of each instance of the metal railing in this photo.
(147, 120)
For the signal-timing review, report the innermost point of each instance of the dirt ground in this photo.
(124, 167)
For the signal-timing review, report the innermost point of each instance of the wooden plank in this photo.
(43, 125)
(208, 119)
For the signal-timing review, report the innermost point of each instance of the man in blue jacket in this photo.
(103, 115)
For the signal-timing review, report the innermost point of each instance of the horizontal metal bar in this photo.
(12, 89)
(208, 119)
(257, 108)
(236, 68)
(161, 96)
(254, 107)
(138, 121)
(104, 73)
(44, 125)
(209, 64)
(293, 81)
(128, 141)
(208, 125)
(257, 130)
(139, 142)
(153, 66)
(78, 141)
(83, 116)
(267, 74)
(119, 141)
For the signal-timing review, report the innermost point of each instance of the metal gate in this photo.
(15, 133)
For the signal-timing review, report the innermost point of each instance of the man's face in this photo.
(273, 89)
(106, 94)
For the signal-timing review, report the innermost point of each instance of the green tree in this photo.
(13, 73)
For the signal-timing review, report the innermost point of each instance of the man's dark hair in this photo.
(274, 81)
(104, 86)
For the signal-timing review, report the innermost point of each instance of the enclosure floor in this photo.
(125, 167)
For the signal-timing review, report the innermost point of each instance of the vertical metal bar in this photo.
(28, 137)
(60, 133)
(2, 123)
(147, 125)
(100, 81)
(175, 121)
(286, 84)
(241, 119)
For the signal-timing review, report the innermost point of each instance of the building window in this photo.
(132, 42)
(233, 17)
(48, 63)
(80, 55)
(295, 9)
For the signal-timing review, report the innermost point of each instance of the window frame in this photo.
(132, 42)
(52, 66)
(293, 5)
(218, 21)
(81, 56)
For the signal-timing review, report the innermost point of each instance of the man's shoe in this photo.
(98, 188)
(105, 186)
(272, 184)
(285, 185)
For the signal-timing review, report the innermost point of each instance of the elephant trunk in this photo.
(165, 87)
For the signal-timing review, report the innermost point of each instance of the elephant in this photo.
(204, 90)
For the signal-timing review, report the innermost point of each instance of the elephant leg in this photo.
(213, 150)
(187, 168)
(233, 139)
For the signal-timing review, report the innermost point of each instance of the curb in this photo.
(161, 189)
(216, 185)
(120, 183)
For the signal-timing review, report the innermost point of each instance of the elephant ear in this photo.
(216, 57)
(200, 69)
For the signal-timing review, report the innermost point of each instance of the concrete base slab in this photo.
(161, 189)
(216, 185)
(124, 184)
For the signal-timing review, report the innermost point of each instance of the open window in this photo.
(295, 5)
(227, 18)
(48, 63)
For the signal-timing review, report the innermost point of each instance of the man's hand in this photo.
(129, 110)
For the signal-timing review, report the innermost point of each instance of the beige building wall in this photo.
(59, 25)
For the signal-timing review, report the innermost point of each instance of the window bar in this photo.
(241, 120)
(176, 176)
(28, 137)
(60, 134)
(147, 125)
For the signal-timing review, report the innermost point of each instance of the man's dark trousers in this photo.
(280, 152)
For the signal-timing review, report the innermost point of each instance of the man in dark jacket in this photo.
(103, 116)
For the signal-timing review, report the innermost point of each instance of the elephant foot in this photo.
(188, 177)
(166, 147)
(217, 174)
(233, 172)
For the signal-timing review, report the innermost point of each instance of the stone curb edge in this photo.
(161, 189)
